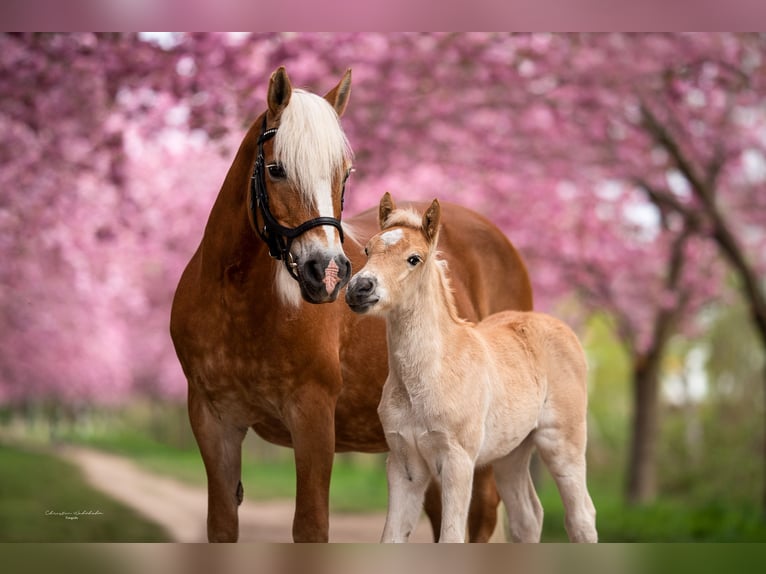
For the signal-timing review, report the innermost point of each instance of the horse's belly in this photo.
(273, 431)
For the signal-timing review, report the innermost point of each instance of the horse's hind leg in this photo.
(433, 507)
(220, 444)
(562, 448)
(525, 513)
(482, 515)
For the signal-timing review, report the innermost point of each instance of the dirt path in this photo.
(181, 508)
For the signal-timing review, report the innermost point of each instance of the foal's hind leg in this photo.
(220, 444)
(562, 448)
(525, 513)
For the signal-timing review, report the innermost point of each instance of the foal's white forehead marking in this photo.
(392, 237)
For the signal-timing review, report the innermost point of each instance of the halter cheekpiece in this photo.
(277, 237)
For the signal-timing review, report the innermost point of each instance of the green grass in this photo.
(356, 486)
(687, 519)
(359, 485)
(158, 438)
(34, 484)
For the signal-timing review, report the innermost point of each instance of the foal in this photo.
(460, 394)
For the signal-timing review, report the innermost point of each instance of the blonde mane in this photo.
(445, 285)
(310, 143)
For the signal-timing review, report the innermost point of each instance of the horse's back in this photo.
(486, 271)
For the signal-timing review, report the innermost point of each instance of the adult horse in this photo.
(258, 349)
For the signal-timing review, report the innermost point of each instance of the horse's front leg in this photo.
(311, 420)
(220, 444)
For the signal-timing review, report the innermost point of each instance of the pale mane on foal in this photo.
(403, 218)
(310, 143)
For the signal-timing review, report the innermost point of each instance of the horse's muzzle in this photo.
(322, 277)
(361, 294)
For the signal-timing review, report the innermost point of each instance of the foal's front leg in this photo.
(455, 467)
(407, 476)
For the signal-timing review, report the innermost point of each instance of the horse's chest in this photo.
(250, 385)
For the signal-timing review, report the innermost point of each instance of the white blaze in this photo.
(392, 237)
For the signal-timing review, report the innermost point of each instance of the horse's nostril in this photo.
(313, 271)
(364, 286)
(344, 267)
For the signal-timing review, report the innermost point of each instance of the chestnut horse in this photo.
(258, 349)
(460, 394)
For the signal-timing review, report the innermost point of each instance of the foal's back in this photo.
(537, 347)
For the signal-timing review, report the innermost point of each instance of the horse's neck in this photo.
(229, 238)
(421, 330)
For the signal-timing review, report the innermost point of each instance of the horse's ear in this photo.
(431, 219)
(386, 207)
(280, 91)
(338, 96)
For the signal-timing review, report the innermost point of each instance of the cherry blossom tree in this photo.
(617, 163)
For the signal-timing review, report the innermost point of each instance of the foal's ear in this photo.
(338, 96)
(280, 91)
(431, 219)
(386, 207)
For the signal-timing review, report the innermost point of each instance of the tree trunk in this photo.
(642, 474)
(704, 189)
(756, 299)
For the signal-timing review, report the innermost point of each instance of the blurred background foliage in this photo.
(628, 169)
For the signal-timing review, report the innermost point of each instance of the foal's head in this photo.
(397, 258)
(299, 180)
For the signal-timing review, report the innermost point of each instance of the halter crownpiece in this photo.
(276, 236)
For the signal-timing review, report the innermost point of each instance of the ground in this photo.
(181, 508)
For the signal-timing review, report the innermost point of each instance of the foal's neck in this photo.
(420, 329)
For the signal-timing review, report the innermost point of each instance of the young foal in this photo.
(460, 395)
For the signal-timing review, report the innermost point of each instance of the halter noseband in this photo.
(277, 237)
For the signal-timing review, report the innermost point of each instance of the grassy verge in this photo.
(688, 519)
(44, 499)
(358, 481)
(158, 438)
(359, 485)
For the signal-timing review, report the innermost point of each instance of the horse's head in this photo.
(296, 197)
(396, 258)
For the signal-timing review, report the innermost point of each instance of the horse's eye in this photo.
(276, 171)
(413, 260)
(366, 252)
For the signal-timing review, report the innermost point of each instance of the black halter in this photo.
(277, 237)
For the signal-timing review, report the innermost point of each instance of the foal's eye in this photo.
(276, 171)
(413, 260)
(366, 252)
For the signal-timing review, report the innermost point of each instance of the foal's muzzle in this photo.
(361, 294)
